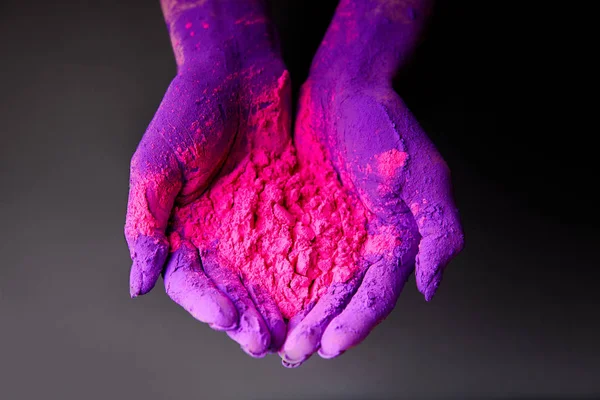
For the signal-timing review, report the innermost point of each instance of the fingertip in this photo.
(252, 334)
(435, 253)
(337, 339)
(301, 343)
(148, 255)
(134, 282)
(226, 317)
(257, 349)
(290, 365)
(292, 362)
(328, 356)
(428, 281)
(260, 354)
(226, 321)
(216, 310)
(304, 336)
(222, 327)
(140, 281)
(432, 288)
(428, 296)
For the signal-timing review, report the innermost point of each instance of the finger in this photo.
(435, 252)
(155, 180)
(438, 223)
(291, 325)
(187, 285)
(252, 332)
(305, 338)
(373, 301)
(271, 315)
(148, 254)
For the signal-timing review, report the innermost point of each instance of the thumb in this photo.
(155, 180)
(437, 219)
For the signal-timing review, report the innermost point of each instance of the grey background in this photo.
(516, 316)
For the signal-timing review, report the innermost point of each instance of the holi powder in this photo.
(389, 162)
(285, 225)
(281, 218)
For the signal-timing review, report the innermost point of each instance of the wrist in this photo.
(216, 31)
(371, 39)
(343, 72)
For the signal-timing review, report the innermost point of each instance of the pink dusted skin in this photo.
(390, 162)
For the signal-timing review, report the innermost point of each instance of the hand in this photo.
(382, 154)
(206, 110)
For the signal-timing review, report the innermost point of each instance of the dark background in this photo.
(516, 316)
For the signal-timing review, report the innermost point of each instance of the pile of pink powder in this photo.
(287, 226)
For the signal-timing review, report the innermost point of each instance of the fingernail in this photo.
(433, 284)
(330, 356)
(290, 365)
(255, 355)
(218, 327)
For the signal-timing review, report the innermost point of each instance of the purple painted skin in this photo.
(351, 107)
(227, 55)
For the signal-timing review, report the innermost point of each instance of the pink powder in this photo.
(388, 162)
(280, 218)
(286, 225)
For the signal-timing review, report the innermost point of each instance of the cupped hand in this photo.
(382, 154)
(199, 132)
